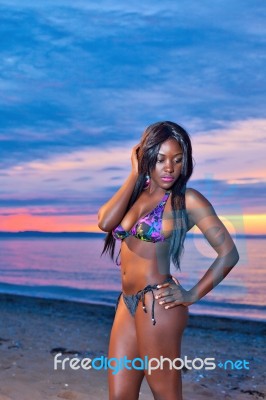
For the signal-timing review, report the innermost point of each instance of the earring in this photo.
(148, 180)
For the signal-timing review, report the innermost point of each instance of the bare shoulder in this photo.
(194, 199)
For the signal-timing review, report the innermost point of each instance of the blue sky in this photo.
(80, 82)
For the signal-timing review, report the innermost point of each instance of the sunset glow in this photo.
(246, 224)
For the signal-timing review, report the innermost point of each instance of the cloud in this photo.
(237, 148)
(76, 74)
(85, 178)
(80, 82)
(82, 179)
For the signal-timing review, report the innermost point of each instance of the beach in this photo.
(33, 331)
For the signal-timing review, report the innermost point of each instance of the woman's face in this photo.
(168, 165)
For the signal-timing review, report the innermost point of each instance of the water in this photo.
(72, 269)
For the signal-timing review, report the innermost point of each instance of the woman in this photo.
(150, 214)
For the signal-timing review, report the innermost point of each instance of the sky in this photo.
(80, 82)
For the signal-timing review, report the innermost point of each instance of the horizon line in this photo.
(89, 233)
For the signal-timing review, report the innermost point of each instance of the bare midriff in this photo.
(143, 263)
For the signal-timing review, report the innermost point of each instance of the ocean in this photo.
(72, 269)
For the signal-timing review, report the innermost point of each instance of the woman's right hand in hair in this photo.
(112, 212)
(134, 158)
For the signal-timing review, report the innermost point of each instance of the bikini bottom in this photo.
(132, 300)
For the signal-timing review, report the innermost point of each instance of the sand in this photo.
(33, 330)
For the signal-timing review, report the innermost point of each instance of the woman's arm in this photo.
(202, 214)
(112, 212)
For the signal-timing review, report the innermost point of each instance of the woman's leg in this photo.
(162, 339)
(126, 383)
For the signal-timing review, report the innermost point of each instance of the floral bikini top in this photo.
(147, 228)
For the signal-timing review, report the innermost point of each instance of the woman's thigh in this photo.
(162, 340)
(125, 383)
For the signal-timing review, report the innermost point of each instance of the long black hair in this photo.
(152, 138)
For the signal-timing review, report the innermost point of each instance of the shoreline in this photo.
(193, 315)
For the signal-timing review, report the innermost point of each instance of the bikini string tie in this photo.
(141, 296)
